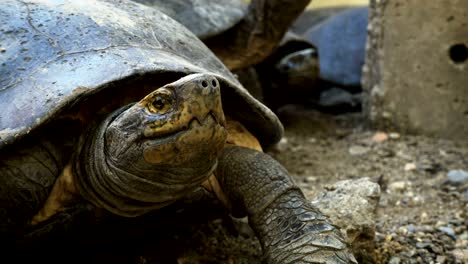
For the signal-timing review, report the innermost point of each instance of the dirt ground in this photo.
(420, 218)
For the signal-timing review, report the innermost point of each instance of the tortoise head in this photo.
(299, 71)
(300, 67)
(167, 144)
(178, 125)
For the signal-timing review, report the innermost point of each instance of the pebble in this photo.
(403, 230)
(447, 230)
(399, 186)
(423, 245)
(461, 255)
(394, 135)
(441, 259)
(464, 235)
(282, 145)
(358, 150)
(380, 137)
(410, 229)
(456, 178)
(410, 166)
(310, 179)
(339, 100)
(395, 260)
(424, 217)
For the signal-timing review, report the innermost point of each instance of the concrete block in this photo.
(416, 70)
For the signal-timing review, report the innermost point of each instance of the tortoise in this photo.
(103, 109)
(338, 36)
(291, 61)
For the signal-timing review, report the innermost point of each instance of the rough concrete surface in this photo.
(416, 71)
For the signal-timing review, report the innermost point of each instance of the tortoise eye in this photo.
(161, 102)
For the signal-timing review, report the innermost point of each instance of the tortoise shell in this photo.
(56, 54)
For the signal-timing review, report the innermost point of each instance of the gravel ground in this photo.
(422, 214)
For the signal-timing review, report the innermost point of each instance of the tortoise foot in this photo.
(63, 193)
(292, 231)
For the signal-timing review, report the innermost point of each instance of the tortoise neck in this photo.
(102, 184)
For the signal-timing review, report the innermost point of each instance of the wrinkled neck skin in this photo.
(112, 173)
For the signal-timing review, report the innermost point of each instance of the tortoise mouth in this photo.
(197, 142)
(210, 121)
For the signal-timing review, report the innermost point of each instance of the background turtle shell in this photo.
(205, 18)
(54, 53)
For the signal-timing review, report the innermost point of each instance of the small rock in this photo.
(282, 145)
(310, 179)
(447, 230)
(424, 217)
(456, 178)
(395, 260)
(464, 236)
(388, 238)
(440, 223)
(380, 137)
(399, 186)
(394, 135)
(441, 259)
(410, 229)
(410, 166)
(443, 153)
(358, 150)
(403, 230)
(461, 255)
(336, 100)
(423, 245)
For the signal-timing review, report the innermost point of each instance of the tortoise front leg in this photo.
(289, 228)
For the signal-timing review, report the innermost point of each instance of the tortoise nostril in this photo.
(214, 83)
(209, 85)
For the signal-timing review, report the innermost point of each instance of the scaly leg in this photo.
(289, 228)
